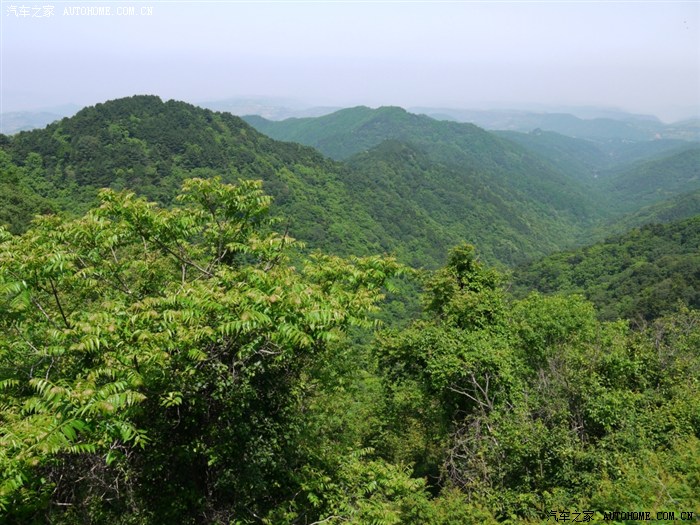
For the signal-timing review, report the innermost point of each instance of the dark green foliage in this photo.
(464, 147)
(538, 406)
(454, 182)
(655, 180)
(144, 143)
(640, 275)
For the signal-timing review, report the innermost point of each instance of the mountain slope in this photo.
(656, 180)
(432, 187)
(579, 158)
(643, 273)
(587, 159)
(151, 146)
(461, 146)
(429, 205)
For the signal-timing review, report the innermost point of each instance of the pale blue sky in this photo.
(638, 56)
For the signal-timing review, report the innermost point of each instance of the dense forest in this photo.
(206, 325)
(640, 275)
(494, 194)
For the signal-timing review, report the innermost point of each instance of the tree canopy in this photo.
(155, 359)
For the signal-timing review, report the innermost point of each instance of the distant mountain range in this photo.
(14, 121)
(269, 108)
(600, 124)
(400, 182)
(621, 127)
(589, 159)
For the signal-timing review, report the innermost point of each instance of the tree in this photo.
(533, 405)
(152, 360)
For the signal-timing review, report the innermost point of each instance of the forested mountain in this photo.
(150, 146)
(642, 274)
(460, 146)
(496, 194)
(412, 185)
(588, 159)
(655, 180)
(523, 121)
(185, 365)
(591, 179)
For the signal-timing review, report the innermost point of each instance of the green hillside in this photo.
(461, 146)
(641, 274)
(579, 158)
(676, 208)
(425, 205)
(638, 182)
(468, 184)
(342, 133)
(655, 180)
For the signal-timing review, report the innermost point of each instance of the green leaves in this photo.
(136, 326)
(535, 401)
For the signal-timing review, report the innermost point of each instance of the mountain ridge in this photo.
(151, 145)
(457, 181)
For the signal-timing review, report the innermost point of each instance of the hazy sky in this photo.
(638, 56)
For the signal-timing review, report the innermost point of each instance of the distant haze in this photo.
(641, 57)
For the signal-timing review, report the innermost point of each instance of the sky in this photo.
(641, 57)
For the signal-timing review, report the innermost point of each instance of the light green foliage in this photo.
(150, 344)
(465, 293)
